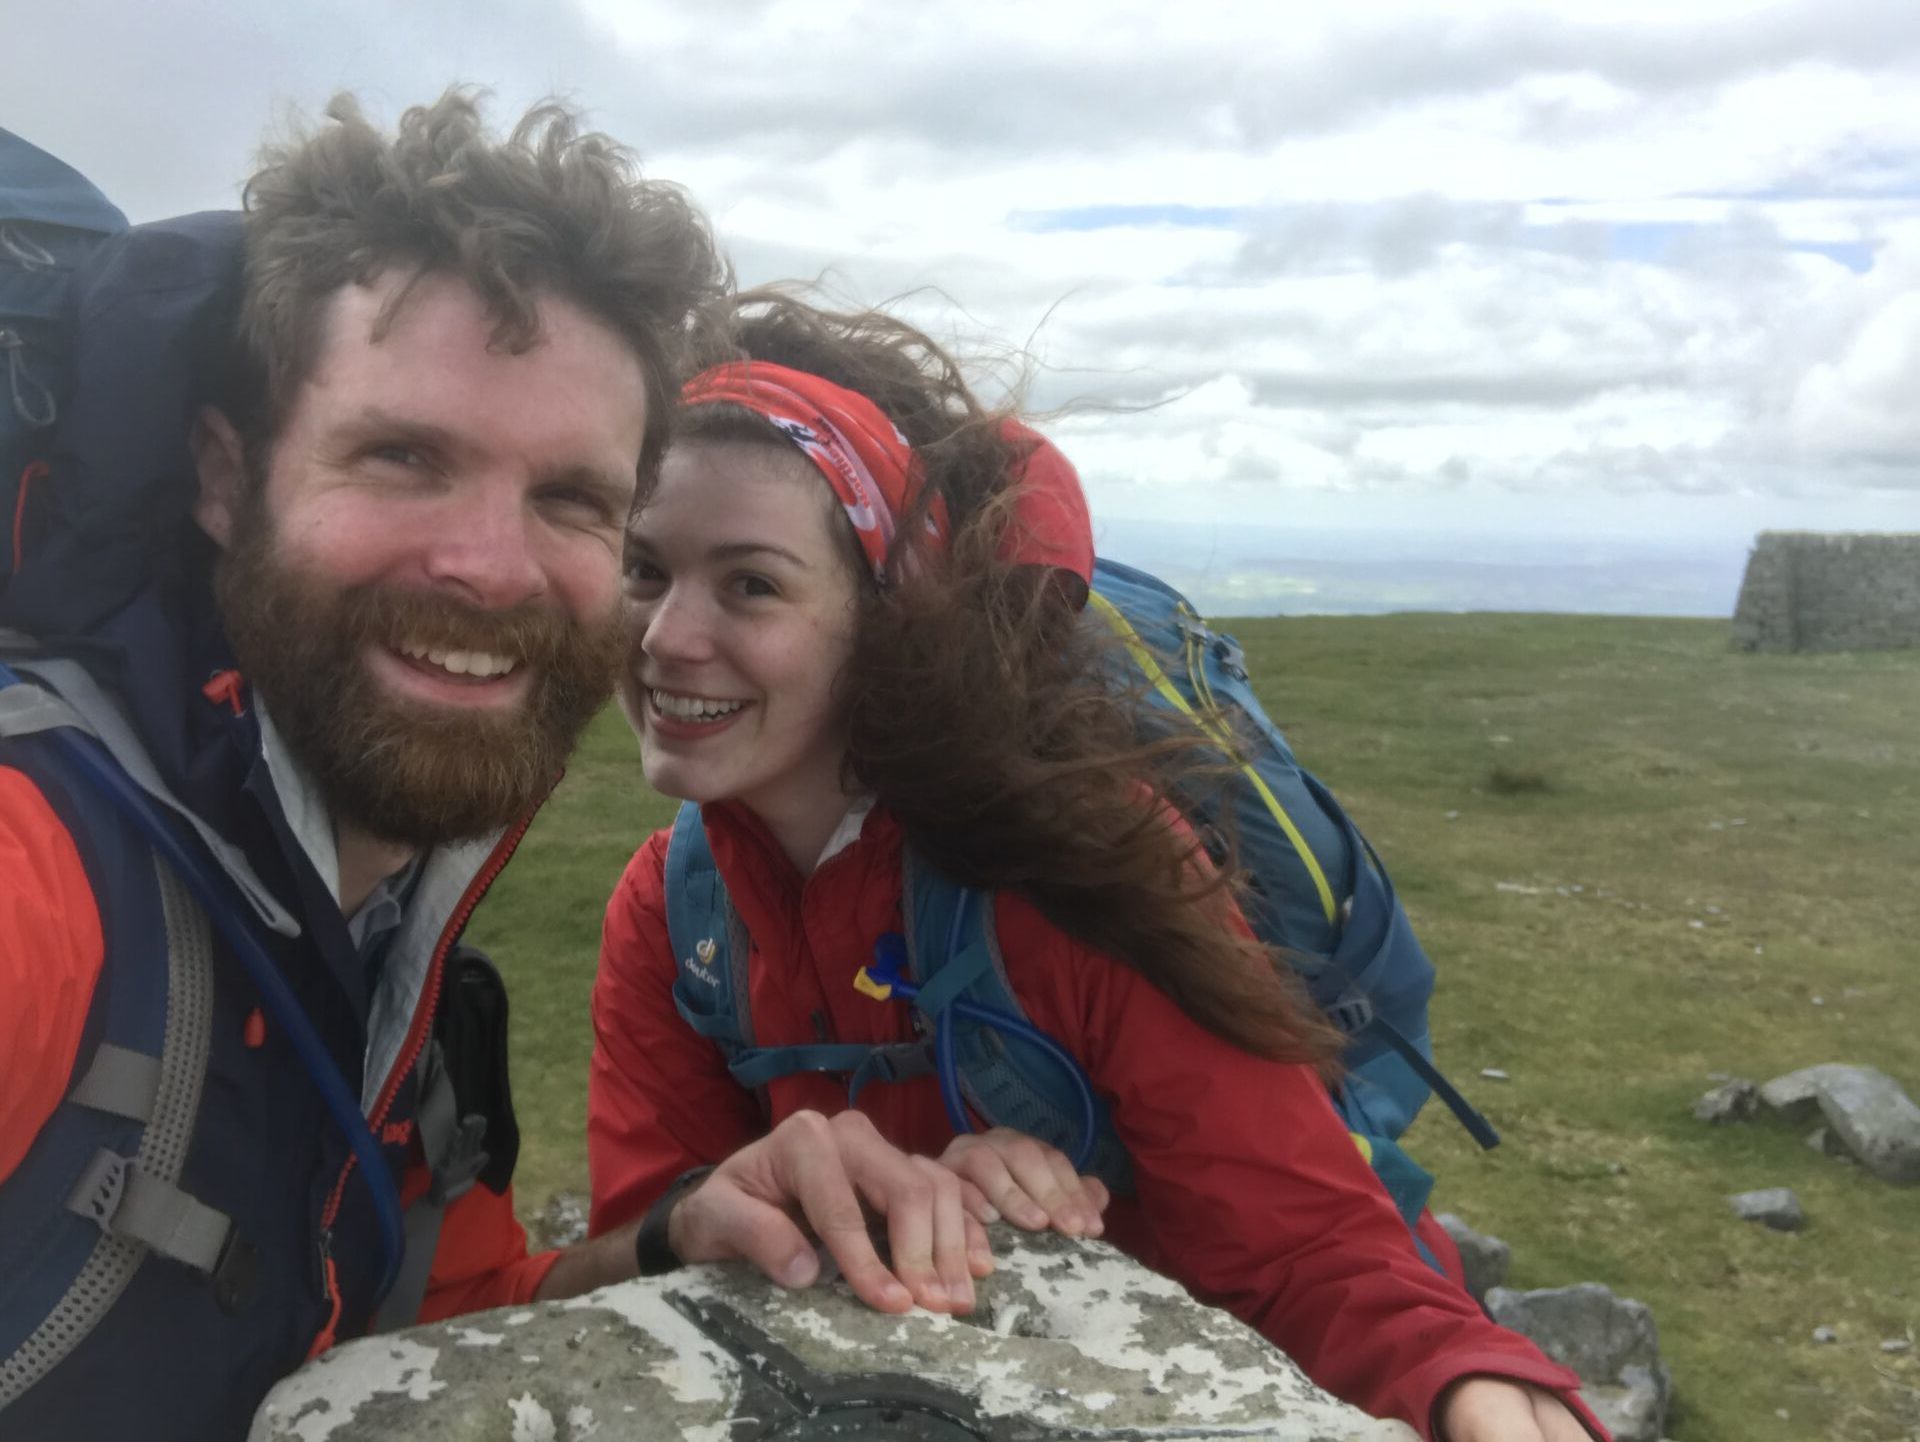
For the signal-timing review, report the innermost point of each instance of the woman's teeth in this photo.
(482, 664)
(692, 708)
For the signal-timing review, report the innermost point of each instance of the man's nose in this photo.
(485, 547)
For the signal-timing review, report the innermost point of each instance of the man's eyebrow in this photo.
(375, 420)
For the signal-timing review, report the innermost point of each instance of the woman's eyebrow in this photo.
(739, 550)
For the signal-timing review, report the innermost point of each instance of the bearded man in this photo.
(353, 592)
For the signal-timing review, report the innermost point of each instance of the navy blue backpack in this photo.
(51, 218)
(1318, 892)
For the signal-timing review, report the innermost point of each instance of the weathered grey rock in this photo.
(1485, 1258)
(1071, 1339)
(1795, 1097)
(562, 1222)
(1735, 1101)
(1609, 1341)
(1825, 1334)
(1869, 1115)
(1775, 1207)
(1823, 1141)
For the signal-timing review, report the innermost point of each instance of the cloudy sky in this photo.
(1464, 274)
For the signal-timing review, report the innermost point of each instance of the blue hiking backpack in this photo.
(1318, 892)
(51, 218)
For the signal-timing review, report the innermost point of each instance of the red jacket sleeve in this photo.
(659, 1097)
(482, 1259)
(51, 951)
(1256, 1198)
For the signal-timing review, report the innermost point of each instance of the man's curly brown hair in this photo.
(550, 210)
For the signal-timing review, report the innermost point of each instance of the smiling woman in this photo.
(853, 596)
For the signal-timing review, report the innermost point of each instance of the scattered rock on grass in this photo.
(1485, 1258)
(1825, 1334)
(1775, 1207)
(1876, 1122)
(1735, 1101)
(1610, 1341)
(1897, 1345)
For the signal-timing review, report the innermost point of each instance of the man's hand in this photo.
(1031, 1184)
(1491, 1409)
(814, 1173)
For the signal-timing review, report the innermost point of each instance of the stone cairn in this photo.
(1807, 591)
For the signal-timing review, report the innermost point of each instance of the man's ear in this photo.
(221, 459)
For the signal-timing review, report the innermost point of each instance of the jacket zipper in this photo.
(410, 1052)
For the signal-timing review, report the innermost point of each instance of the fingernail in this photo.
(897, 1296)
(800, 1270)
(991, 1215)
(965, 1299)
(937, 1294)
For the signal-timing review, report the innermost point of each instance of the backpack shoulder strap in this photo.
(91, 753)
(709, 945)
(113, 1153)
(712, 952)
(1023, 1082)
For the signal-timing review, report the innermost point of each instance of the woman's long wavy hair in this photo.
(983, 714)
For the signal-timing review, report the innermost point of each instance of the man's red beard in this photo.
(403, 770)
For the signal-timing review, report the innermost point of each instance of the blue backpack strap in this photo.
(1004, 1070)
(710, 988)
(1376, 987)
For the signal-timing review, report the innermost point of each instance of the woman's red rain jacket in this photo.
(1249, 1190)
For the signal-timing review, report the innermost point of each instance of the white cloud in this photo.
(1506, 258)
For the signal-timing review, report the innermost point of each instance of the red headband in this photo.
(848, 438)
(877, 477)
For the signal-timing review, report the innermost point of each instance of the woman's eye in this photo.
(640, 572)
(755, 587)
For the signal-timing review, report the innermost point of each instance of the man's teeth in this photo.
(460, 663)
(693, 708)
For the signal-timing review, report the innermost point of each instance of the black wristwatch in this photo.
(650, 1249)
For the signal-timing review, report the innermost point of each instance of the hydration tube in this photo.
(885, 979)
(91, 760)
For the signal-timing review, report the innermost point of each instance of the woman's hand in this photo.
(1491, 1409)
(816, 1172)
(1031, 1184)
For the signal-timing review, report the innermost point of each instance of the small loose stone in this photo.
(1896, 1345)
(1493, 1073)
(1825, 1334)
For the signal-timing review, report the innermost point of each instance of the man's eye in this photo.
(577, 498)
(396, 454)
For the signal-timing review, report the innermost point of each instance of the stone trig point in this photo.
(1813, 591)
(1072, 1343)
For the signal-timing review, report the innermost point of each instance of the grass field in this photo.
(1638, 859)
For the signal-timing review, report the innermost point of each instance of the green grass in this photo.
(1637, 858)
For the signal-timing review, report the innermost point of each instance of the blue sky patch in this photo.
(1111, 217)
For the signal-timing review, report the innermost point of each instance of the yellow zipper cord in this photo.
(1143, 657)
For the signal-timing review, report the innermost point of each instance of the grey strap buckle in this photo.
(123, 1201)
